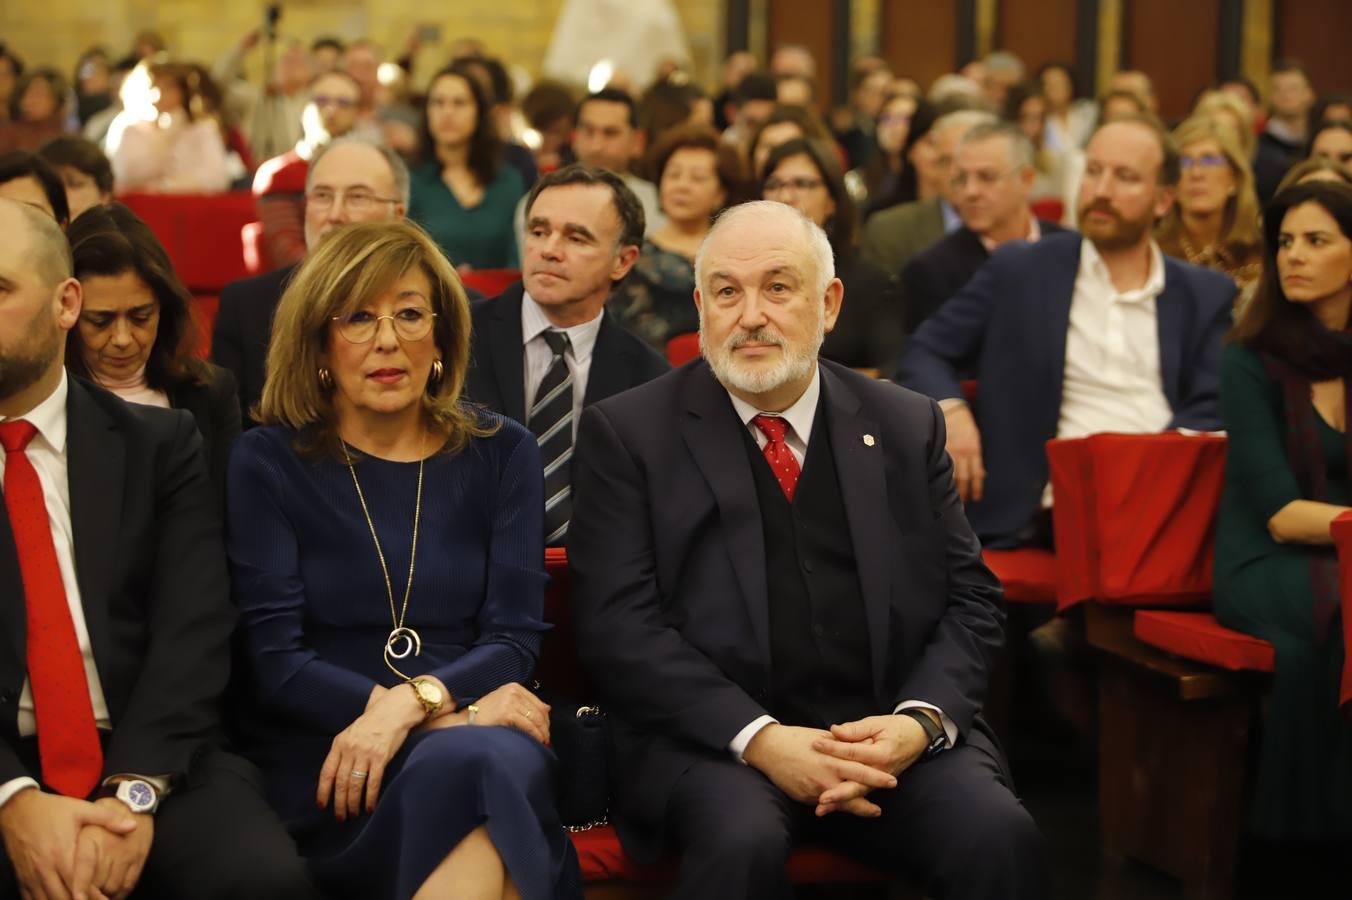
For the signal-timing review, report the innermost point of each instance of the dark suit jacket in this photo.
(1012, 317)
(669, 593)
(243, 328)
(150, 562)
(893, 236)
(940, 272)
(497, 377)
(215, 408)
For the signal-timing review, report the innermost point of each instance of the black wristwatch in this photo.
(934, 732)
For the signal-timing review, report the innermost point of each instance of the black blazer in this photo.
(669, 589)
(150, 562)
(868, 332)
(215, 408)
(242, 330)
(940, 272)
(497, 376)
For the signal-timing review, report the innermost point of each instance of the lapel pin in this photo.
(868, 440)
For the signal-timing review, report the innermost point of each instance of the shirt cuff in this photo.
(739, 743)
(13, 786)
(951, 403)
(950, 727)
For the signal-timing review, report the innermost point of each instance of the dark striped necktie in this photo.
(551, 421)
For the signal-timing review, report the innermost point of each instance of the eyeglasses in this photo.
(340, 102)
(775, 185)
(412, 323)
(984, 178)
(1206, 161)
(356, 201)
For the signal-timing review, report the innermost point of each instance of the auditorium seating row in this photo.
(1134, 526)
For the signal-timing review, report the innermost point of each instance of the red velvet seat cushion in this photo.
(1029, 576)
(1198, 636)
(201, 234)
(490, 282)
(602, 859)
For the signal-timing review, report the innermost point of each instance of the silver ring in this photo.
(358, 775)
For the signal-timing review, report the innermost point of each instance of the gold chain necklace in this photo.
(406, 640)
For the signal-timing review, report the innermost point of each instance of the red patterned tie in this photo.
(777, 453)
(68, 741)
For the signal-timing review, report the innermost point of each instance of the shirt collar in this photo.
(1092, 266)
(800, 415)
(582, 337)
(49, 416)
(952, 221)
(1033, 236)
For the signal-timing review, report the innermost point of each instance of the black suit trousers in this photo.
(951, 826)
(216, 838)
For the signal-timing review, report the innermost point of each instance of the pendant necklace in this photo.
(402, 641)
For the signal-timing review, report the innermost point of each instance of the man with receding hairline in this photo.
(781, 603)
(115, 609)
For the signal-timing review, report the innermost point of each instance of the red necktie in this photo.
(68, 741)
(777, 453)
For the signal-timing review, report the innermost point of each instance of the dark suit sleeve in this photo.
(223, 396)
(173, 708)
(1199, 407)
(952, 334)
(227, 341)
(953, 670)
(639, 662)
(921, 296)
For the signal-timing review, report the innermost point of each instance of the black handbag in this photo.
(582, 744)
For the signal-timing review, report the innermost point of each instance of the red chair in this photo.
(682, 348)
(1342, 539)
(1028, 575)
(201, 234)
(599, 852)
(490, 282)
(205, 307)
(1049, 209)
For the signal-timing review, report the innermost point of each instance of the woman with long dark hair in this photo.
(136, 335)
(1284, 405)
(463, 195)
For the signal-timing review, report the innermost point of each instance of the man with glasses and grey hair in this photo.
(991, 185)
(352, 179)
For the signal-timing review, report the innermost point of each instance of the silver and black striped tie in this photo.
(551, 421)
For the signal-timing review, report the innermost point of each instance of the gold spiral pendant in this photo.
(402, 642)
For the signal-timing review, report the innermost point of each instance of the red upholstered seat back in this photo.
(1049, 209)
(1135, 517)
(1028, 575)
(682, 348)
(201, 234)
(490, 282)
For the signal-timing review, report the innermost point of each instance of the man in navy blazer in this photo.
(543, 349)
(771, 567)
(1074, 335)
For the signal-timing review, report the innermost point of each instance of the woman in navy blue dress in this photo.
(386, 552)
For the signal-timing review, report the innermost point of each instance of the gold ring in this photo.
(529, 713)
(473, 714)
(358, 775)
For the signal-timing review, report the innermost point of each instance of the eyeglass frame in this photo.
(795, 184)
(984, 179)
(347, 197)
(1206, 161)
(342, 320)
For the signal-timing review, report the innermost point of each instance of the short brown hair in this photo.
(1170, 167)
(350, 267)
(627, 206)
(727, 161)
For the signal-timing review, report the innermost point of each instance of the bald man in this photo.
(115, 607)
(782, 604)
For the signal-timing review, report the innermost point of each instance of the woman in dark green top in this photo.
(1284, 408)
(462, 194)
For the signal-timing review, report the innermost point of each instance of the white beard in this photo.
(793, 364)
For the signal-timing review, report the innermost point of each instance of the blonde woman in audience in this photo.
(1231, 111)
(1316, 169)
(175, 146)
(1214, 221)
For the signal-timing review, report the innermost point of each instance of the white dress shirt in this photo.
(47, 453)
(800, 416)
(538, 356)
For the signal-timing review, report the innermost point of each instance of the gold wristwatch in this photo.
(429, 695)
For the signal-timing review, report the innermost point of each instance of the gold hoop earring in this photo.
(438, 370)
(325, 378)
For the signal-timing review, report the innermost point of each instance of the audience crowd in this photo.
(1088, 267)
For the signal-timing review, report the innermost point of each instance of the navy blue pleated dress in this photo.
(314, 619)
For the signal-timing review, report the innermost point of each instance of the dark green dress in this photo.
(1303, 789)
(657, 300)
(482, 236)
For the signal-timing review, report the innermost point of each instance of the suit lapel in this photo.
(711, 430)
(1171, 322)
(1057, 292)
(507, 353)
(605, 377)
(856, 441)
(95, 454)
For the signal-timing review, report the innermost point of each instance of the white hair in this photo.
(966, 119)
(819, 245)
